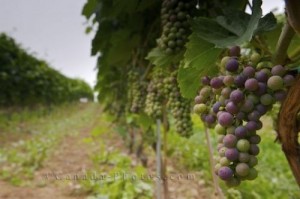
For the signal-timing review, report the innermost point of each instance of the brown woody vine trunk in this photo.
(288, 128)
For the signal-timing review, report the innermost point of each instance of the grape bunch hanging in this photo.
(137, 92)
(176, 28)
(180, 107)
(233, 104)
(155, 95)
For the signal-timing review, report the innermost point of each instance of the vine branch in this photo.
(280, 55)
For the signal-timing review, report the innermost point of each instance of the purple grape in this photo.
(241, 132)
(235, 51)
(229, 141)
(249, 71)
(232, 154)
(232, 108)
(254, 150)
(247, 106)
(251, 126)
(232, 65)
(225, 119)
(240, 80)
(262, 88)
(216, 83)
(210, 119)
(255, 139)
(251, 84)
(240, 116)
(280, 95)
(254, 116)
(261, 76)
(262, 109)
(259, 125)
(225, 173)
(278, 70)
(205, 80)
(237, 96)
(288, 80)
(216, 107)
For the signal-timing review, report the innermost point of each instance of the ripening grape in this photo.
(278, 70)
(242, 169)
(234, 102)
(243, 145)
(275, 83)
(252, 174)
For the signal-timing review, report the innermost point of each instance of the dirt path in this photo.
(70, 158)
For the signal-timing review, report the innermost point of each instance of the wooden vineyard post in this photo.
(158, 160)
(288, 128)
(211, 161)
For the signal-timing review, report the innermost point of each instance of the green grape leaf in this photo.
(199, 60)
(89, 8)
(267, 23)
(234, 28)
(143, 120)
(159, 58)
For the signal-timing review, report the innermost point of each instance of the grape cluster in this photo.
(155, 95)
(180, 107)
(137, 92)
(233, 104)
(176, 29)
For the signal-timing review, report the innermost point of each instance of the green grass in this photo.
(27, 148)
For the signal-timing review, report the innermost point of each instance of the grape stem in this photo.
(218, 190)
(280, 55)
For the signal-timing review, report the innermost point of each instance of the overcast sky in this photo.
(55, 31)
